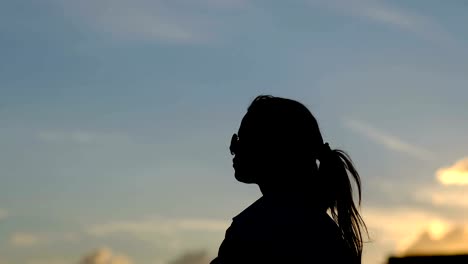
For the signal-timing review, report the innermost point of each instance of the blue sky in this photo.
(115, 117)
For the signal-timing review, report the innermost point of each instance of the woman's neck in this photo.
(284, 190)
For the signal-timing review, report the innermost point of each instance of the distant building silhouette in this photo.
(437, 259)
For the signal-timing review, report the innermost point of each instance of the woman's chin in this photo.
(244, 178)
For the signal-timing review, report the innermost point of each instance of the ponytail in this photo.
(338, 193)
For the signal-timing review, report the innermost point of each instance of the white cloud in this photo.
(24, 239)
(444, 196)
(389, 141)
(3, 214)
(457, 174)
(158, 225)
(452, 191)
(389, 15)
(455, 241)
(400, 227)
(105, 256)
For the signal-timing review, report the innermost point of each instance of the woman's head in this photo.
(276, 136)
(279, 143)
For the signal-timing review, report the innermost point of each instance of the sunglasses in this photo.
(234, 147)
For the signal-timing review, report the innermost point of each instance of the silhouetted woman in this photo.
(279, 147)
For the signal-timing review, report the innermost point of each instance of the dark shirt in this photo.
(282, 231)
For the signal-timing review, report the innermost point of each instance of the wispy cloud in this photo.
(383, 13)
(457, 174)
(168, 21)
(167, 235)
(130, 19)
(24, 240)
(158, 225)
(389, 141)
(28, 239)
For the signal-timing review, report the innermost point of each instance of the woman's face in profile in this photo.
(241, 148)
(249, 157)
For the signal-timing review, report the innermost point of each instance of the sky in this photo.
(115, 120)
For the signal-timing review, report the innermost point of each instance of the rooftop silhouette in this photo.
(436, 259)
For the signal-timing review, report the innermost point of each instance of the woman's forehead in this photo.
(254, 128)
(246, 125)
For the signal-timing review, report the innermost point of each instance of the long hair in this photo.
(296, 133)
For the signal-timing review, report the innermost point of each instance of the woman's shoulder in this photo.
(271, 219)
(267, 230)
(252, 212)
